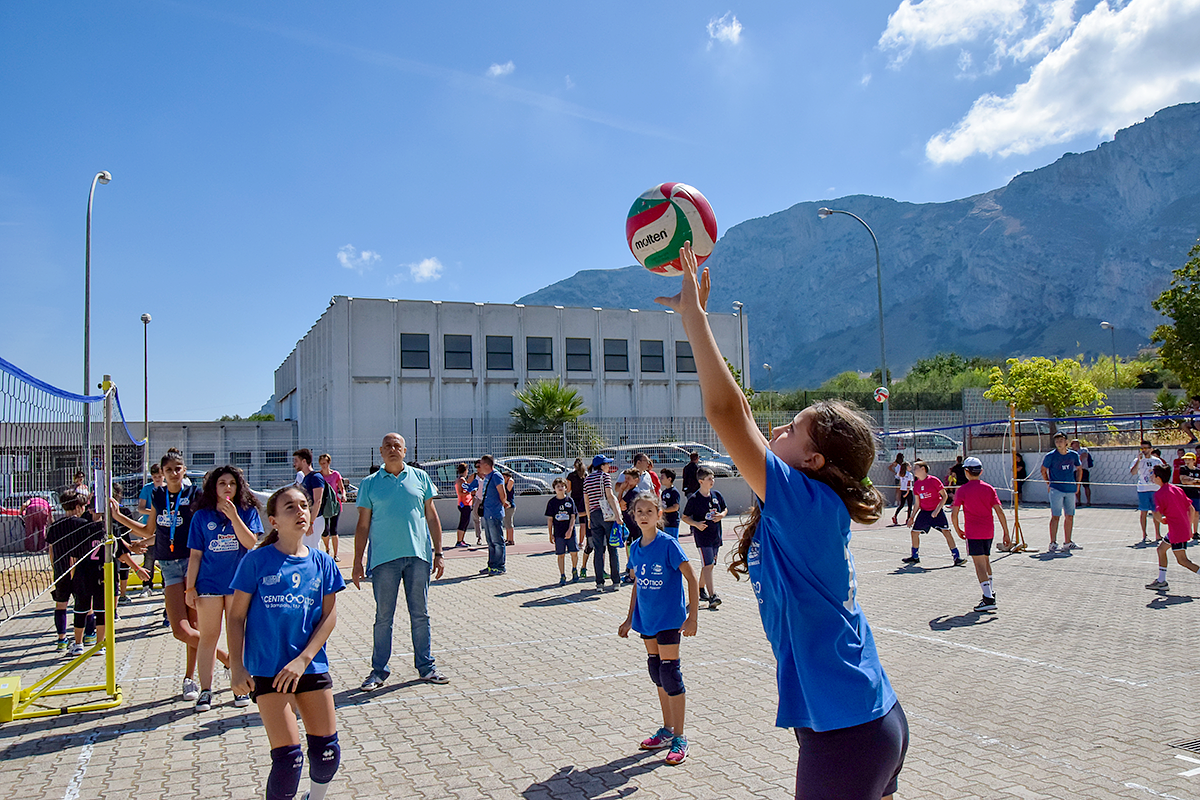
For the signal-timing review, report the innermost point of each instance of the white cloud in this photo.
(500, 70)
(350, 258)
(1116, 66)
(865, 80)
(726, 29)
(425, 270)
(570, 83)
(938, 23)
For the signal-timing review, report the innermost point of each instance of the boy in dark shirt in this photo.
(1189, 479)
(64, 538)
(703, 513)
(560, 524)
(670, 502)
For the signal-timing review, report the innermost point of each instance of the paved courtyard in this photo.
(1073, 690)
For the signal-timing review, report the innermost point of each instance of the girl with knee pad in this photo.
(283, 612)
(810, 480)
(660, 612)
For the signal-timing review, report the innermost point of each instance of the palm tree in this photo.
(545, 407)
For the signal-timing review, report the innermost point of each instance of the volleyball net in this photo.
(48, 446)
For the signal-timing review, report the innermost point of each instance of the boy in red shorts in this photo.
(931, 498)
(978, 501)
(1172, 505)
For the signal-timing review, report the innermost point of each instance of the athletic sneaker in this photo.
(191, 690)
(1053, 548)
(61, 645)
(713, 602)
(583, 572)
(679, 751)
(372, 683)
(89, 639)
(562, 580)
(911, 560)
(204, 701)
(1072, 546)
(124, 600)
(166, 619)
(241, 700)
(575, 576)
(659, 740)
(485, 571)
(75, 650)
(146, 592)
(1157, 585)
(958, 562)
(986, 604)
(433, 676)
(703, 593)
(461, 544)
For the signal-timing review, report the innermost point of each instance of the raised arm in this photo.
(725, 406)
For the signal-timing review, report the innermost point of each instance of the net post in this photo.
(1018, 538)
(110, 598)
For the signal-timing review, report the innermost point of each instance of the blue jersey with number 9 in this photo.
(802, 572)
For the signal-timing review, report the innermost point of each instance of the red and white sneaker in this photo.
(658, 741)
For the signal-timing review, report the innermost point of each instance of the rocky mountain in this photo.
(1030, 268)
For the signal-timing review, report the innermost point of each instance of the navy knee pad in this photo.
(324, 756)
(653, 665)
(672, 677)
(287, 763)
(60, 622)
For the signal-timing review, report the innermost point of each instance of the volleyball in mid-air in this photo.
(665, 217)
(881, 394)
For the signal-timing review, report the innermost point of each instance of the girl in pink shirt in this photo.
(1174, 507)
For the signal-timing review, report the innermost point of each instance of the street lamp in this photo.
(101, 177)
(737, 307)
(145, 400)
(883, 373)
(1110, 327)
(771, 384)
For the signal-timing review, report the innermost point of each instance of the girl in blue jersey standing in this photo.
(661, 613)
(225, 525)
(810, 481)
(283, 612)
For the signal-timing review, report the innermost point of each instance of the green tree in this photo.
(545, 407)
(737, 378)
(256, 417)
(1052, 384)
(1180, 341)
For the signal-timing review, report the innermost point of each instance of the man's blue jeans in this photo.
(385, 582)
(493, 529)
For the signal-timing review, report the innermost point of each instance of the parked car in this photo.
(929, 446)
(665, 455)
(535, 467)
(706, 453)
(443, 473)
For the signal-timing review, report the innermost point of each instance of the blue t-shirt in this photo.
(671, 497)
(144, 497)
(286, 593)
(492, 509)
(313, 481)
(1061, 467)
(661, 604)
(700, 507)
(828, 672)
(221, 551)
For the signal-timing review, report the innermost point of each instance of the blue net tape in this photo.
(21, 374)
(138, 442)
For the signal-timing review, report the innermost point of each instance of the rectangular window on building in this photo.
(499, 352)
(652, 356)
(414, 351)
(277, 457)
(616, 355)
(203, 459)
(241, 458)
(579, 355)
(683, 357)
(539, 354)
(458, 351)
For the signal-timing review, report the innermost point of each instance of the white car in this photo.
(535, 467)
(929, 446)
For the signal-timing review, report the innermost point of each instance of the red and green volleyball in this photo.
(665, 217)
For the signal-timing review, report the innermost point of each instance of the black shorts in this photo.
(464, 518)
(309, 682)
(565, 544)
(330, 526)
(930, 519)
(979, 547)
(666, 637)
(1178, 545)
(1086, 478)
(88, 590)
(60, 592)
(858, 763)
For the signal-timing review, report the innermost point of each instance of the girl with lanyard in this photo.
(283, 611)
(810, 481)
(225, 524)
(172, 505)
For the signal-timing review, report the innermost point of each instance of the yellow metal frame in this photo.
(1018, 538)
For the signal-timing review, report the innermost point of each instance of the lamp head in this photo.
(145, 319)
(737, 305)
(1106, 325)
(767, 367)
(824, 212)
(104, 176)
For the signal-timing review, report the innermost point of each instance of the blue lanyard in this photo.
(173, 515)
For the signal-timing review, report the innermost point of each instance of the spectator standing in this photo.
(36, 514)
(146, 509)
(602, 508)
(1085, 479)
(691, 484)
(1143, 467)
(493, 498)
(1189, 477)
(466, 501)
(337, 488)
(957, 477)
(316, 487)
(397, 518)
(1062, 472)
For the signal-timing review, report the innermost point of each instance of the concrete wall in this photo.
(1112, 485)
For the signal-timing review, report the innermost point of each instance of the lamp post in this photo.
(737, 307)
(883, 373)
(145, 399)
(1110, 327)
(101, 177)
(771, 384)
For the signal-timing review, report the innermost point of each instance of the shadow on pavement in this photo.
(570, 783)
(562, 599)
(961, 621)
(1167, 600)
(52, 742)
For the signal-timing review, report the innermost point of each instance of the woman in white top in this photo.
(905, 479)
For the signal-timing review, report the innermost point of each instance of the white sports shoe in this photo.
(191, 690)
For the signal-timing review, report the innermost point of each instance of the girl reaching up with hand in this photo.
(283, 612)
(810, 480)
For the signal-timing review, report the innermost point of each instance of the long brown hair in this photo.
(243, 498)
(845, 438)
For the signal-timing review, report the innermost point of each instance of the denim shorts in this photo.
(1145, 501)
(173, 571)
(1062, 502)
(708, 555)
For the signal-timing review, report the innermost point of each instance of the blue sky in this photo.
(268, 157)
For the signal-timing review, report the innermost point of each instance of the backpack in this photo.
(331, 506)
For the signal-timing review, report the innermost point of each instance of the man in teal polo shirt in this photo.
(396, 514)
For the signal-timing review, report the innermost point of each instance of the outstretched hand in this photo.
(694, 292)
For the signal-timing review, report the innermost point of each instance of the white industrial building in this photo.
(369, 366)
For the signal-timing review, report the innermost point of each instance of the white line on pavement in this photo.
(85, 756)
